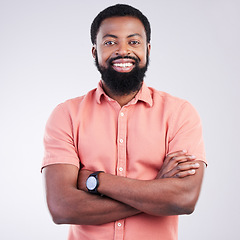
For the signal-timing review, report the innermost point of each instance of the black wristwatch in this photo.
(92, 183)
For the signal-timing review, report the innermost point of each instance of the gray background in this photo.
(45, 58)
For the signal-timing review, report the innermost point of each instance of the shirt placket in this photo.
(121, 162)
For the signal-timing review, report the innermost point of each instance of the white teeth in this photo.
(123, 65)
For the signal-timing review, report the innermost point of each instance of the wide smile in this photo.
(123, 65)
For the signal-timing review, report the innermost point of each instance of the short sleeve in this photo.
(186, 132)
(59, 147)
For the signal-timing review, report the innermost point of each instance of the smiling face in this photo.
(121, 51)
(121, 36)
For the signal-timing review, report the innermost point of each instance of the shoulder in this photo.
(167, 100)
(173, 108)
(73, 105)
(69, 110)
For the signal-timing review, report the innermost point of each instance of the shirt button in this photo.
(121, 140)
(122, 114)
(120, 169)
(119, 224)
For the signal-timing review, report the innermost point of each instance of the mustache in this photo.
(124, 57)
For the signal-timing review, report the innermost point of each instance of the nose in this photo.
(123, 49)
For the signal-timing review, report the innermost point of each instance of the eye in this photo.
(134, 42)
(109, 43)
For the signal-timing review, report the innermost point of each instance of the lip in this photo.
(123, 60)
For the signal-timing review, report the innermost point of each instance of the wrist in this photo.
(82, 178)
(92, 183)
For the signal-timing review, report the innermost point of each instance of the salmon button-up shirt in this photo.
(94, 132)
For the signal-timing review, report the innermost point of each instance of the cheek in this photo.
(142, 54)
(102, 57)
(143, 58)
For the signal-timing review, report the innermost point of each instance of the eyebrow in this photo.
(129, 36)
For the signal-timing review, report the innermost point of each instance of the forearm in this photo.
(86, 209)
(156, 197)
(69, 205)
(169, 196)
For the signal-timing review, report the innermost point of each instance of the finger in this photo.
(188, 166)
(177, 153)
(182, 158)
(175, 161)
(182, 167)
(172, 155)
(185, 173)
(172, 160)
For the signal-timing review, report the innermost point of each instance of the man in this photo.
(124, 160)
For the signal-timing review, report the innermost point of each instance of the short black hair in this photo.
(119, 10)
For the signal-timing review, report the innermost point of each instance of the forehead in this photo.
(121, 27)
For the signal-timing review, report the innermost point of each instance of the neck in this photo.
(121, 99)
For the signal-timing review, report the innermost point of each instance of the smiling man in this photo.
(124, 160)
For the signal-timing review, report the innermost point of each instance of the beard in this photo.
(120, 83)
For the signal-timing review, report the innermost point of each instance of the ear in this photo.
(94, 51)
(149, 48)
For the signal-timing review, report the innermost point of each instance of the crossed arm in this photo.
(174, 191)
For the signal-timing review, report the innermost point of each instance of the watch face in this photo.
(91, 183)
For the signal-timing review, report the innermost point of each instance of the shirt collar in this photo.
(144, 94)
(100, 92)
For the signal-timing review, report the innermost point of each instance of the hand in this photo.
(82, 178)
(178, 165)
